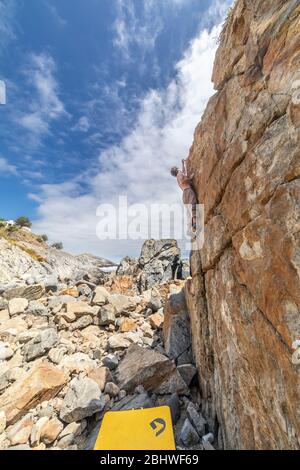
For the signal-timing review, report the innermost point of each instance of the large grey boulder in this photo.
(82, 400)
(159, 262)
(41, 344)
(143, 367)
(178, 341)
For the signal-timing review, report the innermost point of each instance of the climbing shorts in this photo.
(190, 199)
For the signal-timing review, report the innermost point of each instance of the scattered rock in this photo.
(174, 403)
(43, 382)
(37, 430)
(82, 323)
(122, 303)
(71, 291)
(101, 296)
(134, 402)
(196, 419)
(19, 433)
(83, 399)
(187, 372)
(14, 325)
(188, 435)
(41, 344)
(107, 315)
(173, 384)
(37, 309)
(56, 355)
(208, 438)
(17, 306)
(118, 341)
(25, 292)
(111, 362)
(112, 389)
(76, 363)
(101, 375)
(156, 321)
(51, 430)
(4, 316)
(156, 301)
(143, 367)
(68, 435)
(128, 325)
(5, 351)
(79, 309)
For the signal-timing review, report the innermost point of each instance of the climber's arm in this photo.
(184, 168)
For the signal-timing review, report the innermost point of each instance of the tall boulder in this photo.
(159, 262)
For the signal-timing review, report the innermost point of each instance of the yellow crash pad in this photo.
(147, 429)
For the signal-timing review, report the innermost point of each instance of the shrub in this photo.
(44, 238)
(58, 246)
(23, 222)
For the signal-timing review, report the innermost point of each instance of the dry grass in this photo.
(16, 236)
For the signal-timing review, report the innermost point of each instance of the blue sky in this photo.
(102, 97)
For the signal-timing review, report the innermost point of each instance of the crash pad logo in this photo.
(159, 425)
(2, 92)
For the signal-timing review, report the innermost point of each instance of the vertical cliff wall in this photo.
(244, 298)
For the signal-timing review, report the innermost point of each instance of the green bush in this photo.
(23, 222)
(44, 238)
(58, 246)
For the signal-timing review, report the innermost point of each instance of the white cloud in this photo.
(139, 166)
(138, 29)
(6, 168)
(83, 125)
(45, 105)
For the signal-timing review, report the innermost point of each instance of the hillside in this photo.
(24, 256)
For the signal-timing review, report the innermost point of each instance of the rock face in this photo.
(244, 299)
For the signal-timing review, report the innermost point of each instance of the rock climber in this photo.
(184, 180)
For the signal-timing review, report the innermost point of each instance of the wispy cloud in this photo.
(83, 125)
(6, 168)
(45, 105)
(141, 28)
(139, 166)
(7, 12)
(55, 14)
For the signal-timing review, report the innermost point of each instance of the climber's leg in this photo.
(190, 201)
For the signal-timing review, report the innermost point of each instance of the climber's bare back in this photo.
(183, 180)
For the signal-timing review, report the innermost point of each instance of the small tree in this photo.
(44, 238)
(23, 222)
(58, 246)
